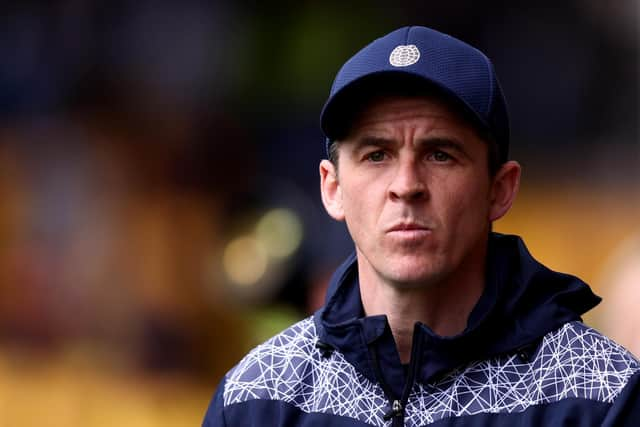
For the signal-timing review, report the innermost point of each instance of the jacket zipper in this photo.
(397, 406)
(396, 413)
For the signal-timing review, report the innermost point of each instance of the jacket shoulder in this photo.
(269, 367)
(574, 362)
(289, 369)
(582, 352)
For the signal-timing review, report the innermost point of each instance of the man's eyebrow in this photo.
(427, 144)
(440, 142)
(376, 141)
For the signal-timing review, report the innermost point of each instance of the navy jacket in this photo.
(525, 359)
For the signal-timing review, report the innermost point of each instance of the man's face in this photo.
(414, 189)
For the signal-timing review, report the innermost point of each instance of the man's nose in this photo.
(408, 183)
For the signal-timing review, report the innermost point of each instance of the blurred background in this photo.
(160, 213)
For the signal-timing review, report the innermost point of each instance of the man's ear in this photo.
(504, 189)
(330, 190)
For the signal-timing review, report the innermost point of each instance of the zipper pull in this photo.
(396, 410)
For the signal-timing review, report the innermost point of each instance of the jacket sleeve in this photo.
(625, 410)
(215, 413)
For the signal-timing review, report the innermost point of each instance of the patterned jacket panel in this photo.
(572, 362)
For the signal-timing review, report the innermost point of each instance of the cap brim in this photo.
(341, 109)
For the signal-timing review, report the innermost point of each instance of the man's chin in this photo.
(415, 278)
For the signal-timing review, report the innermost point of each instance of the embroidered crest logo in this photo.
(404, 55)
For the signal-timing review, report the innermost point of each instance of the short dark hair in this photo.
(333, 153)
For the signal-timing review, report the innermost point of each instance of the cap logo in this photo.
(404, 55)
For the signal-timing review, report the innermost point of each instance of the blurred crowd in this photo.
(158, 174)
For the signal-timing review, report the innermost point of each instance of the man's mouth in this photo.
(409, 231)
(409, 226)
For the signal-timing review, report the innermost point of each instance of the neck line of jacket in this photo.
(522, 300)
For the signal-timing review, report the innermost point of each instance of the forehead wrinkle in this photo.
(412, 126)
(402, 119)
(392, 130)
(419, 134)
(389, 110)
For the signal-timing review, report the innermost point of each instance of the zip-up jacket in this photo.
(525, 359)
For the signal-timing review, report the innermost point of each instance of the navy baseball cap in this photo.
(415, 59)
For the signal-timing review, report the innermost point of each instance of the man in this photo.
(434, 318)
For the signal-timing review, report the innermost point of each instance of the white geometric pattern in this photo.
(289, 368)
(404, 55)
(574, 361)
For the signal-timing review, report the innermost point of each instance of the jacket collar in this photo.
(521, 302)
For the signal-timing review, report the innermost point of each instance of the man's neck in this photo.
(444, 307)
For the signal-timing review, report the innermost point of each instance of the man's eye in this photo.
(440, 156)
(376, 156)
